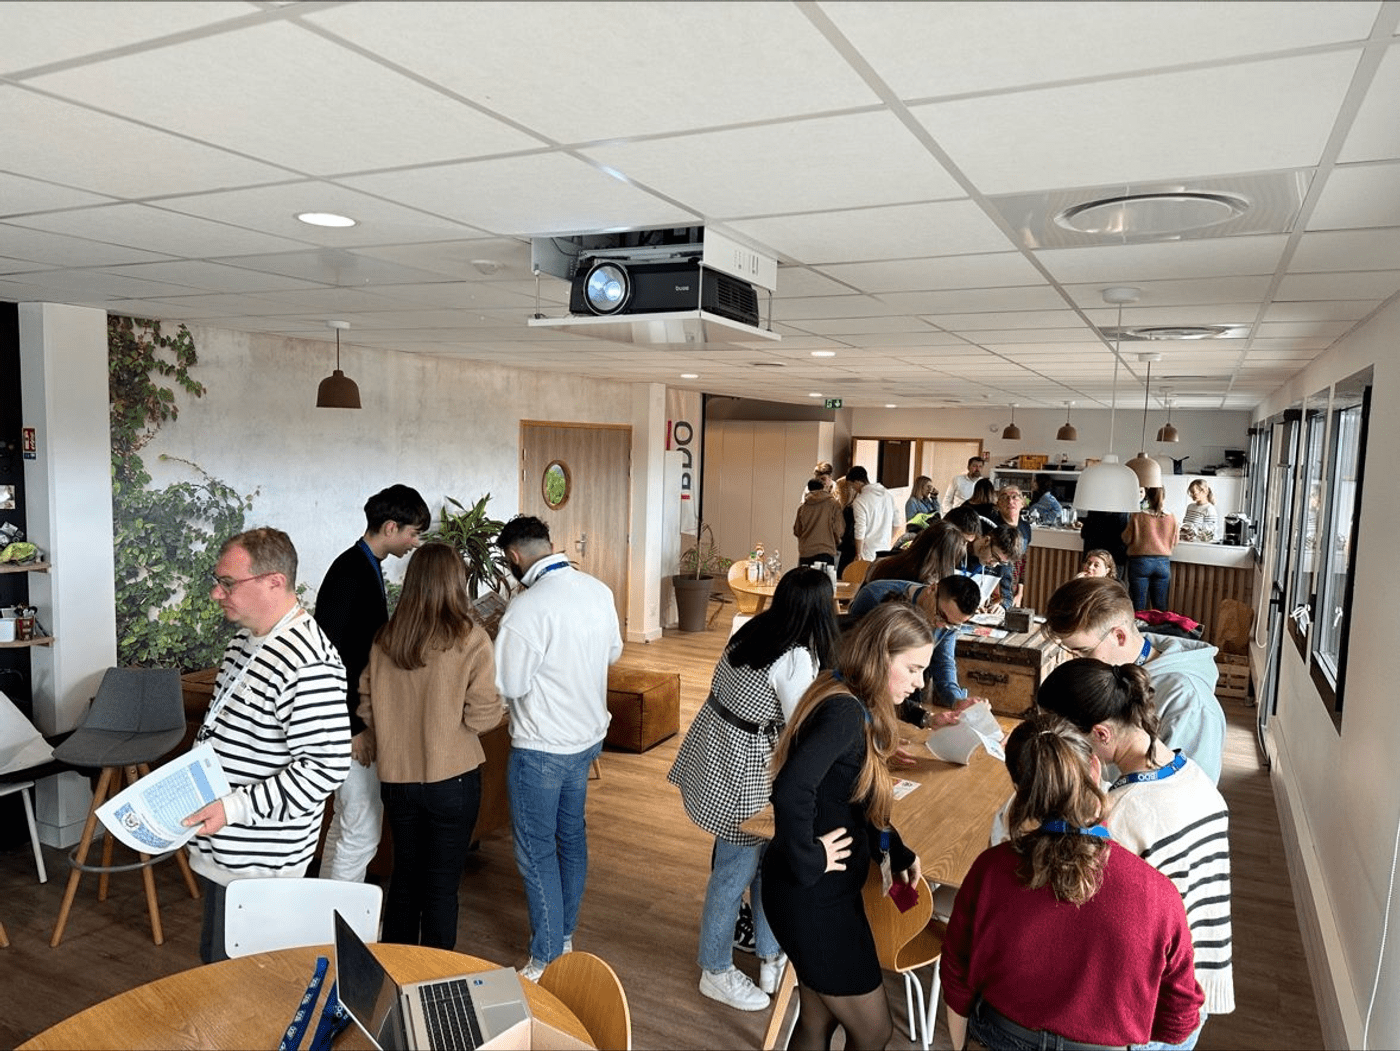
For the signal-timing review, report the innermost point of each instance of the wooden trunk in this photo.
(1006, 671)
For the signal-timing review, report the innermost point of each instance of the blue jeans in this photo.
(1149, 576)
(1186, 1045)
(735, 867)
(432, 827)
(999, 1040)
(547, 797)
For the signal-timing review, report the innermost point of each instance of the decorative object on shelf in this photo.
(1107, 485)
(337, 391)
(1067, 433)
(1168, 433)
(1012, 433)
(1148, 470)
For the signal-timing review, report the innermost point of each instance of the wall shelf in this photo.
(24, 567)
(45, 640)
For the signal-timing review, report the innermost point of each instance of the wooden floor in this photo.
(641, 912)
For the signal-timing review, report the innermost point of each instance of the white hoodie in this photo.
(874, 513)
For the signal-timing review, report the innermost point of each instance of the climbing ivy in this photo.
(166, 540)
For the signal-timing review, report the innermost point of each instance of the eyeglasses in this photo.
(228, 583)
(1084, 651)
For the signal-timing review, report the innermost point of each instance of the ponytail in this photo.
(1087, 692)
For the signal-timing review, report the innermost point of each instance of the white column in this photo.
(648, 494)
(68, 493)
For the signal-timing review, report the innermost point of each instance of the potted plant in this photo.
(473, 534)
(699, 565)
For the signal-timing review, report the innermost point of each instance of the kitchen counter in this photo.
(1203, 575)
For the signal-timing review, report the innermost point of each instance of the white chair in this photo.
(261, 915)
(25, 788)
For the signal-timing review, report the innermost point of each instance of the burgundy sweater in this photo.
(1116, 970)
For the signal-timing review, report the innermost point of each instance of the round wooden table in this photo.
(248, 1002)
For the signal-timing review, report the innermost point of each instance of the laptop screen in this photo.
(367, 991)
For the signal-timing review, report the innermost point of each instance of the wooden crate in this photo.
(1031, 462)
(1006, 671)
(1233, 683)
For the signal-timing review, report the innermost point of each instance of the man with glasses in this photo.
(1093, 617)
(947, 605)
(351, 606)
(277, 723)
(1009, 502)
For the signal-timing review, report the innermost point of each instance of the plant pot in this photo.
(692, 601)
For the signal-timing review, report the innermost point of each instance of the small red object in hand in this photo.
(904, 895)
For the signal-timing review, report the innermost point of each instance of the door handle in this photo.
(581, 544)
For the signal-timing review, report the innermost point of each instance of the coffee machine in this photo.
(1236, 530)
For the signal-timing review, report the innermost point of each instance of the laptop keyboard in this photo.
(450, 1016)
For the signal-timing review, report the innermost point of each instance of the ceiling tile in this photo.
(194, 273)
(894, 232)
(302, 101)
(58, 250)
(1186, 292)
(670, 50)
(962, 271)
(19, 195)
(956, 53)
(1363, 195)
(1178, 124)
(1028, 297)
(1375, 133)
(1347, 250)
(1379, 284)
(1131, 264)
(153, 230)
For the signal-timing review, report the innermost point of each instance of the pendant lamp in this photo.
(1168, 433)
(337, 391)
(1108, 485)
(1012, 432)
(1148, 470)
(1067, 433)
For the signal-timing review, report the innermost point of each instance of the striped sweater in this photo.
(283, 738)
(1180, 825)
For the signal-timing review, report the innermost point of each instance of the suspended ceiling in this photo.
(889, 155)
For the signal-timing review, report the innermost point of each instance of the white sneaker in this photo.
(532, 969)
(734, 988)
(770, 973)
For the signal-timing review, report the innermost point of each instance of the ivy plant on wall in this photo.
(166, 540)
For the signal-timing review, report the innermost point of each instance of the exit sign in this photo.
(833, 403)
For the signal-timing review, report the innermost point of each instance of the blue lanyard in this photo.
(548, 570)
(1146, 651)
(1160, 774)
(1060, 825)
(374, 561)
(333, 1018)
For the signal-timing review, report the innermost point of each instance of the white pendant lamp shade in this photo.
(337, 391)
(1012, 433)
(1148, 470)
(1067, 433)
(1108, 485)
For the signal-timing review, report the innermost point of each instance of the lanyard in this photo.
(374, 561)
(333, 1018)
(1146, 651)
(221, 699)
(1160, 774)
(1060, 825)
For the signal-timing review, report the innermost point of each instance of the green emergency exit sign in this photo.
(833, 403)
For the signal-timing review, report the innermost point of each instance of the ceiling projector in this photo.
(606, 284)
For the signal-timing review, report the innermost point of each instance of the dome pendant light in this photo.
(1067, 433)
(1148, 470)
(1108, 485)
(1012, 433)
(337, 391)
(1168, 433)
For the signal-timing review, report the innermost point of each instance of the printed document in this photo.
(146, 816)
(978, 728)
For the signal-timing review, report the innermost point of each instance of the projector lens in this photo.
(607, 288)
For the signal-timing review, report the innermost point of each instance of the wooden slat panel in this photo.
(1046, 569)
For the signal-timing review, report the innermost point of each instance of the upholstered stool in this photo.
(645, 707)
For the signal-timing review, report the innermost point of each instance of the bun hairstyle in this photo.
(1049, 760)
(863, 671)
(1087, 692)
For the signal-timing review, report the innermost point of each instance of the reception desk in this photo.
(1203, 575)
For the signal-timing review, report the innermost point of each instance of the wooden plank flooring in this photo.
(641, 912)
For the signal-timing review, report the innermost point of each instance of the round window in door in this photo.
(556, 484)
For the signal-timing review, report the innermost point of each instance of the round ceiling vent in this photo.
(1152, 214)
(1143, 333)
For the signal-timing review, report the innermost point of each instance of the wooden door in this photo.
(586, 471)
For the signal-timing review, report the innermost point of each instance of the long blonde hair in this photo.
(863, 671)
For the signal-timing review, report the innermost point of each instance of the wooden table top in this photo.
(844, 591)
(947, 820)
(248, 1002)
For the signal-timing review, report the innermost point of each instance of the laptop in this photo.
(461, 1012)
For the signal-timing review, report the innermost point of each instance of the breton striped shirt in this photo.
(283, 738)
(1180, 825)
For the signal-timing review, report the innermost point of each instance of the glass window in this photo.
(1311, 497)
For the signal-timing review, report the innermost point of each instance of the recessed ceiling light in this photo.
(891, 405)
(823, 353)
(1152, 214)
(325, 219)
(767, 364)
(690, 375)
(815, 394)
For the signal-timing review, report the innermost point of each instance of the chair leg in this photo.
(781, 998)
(98, 798)
(27, 797)
(4, 938)
(595, 770)
(109, 841)
(909, 1006)
(934, 988)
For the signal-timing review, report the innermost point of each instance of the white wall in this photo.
(1338, 789)
(445, 427)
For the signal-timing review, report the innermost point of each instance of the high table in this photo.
(248, 1002)
(947, 820)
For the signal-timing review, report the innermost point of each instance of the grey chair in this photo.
(137, 717)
